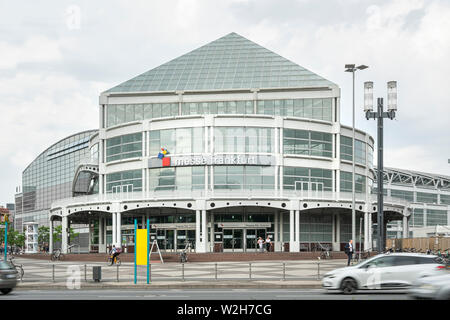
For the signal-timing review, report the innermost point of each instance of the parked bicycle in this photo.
(183, 253)
(18, 267)
(57, 255)
(325, 252)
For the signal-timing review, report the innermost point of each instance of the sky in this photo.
(56, 57)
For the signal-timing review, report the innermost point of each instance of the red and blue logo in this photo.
(163, 156)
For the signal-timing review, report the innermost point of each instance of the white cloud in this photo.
(36, 49)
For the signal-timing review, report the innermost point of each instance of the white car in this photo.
(384, 271)
(437, 287)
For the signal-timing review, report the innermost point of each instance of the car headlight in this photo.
(329, 276)
(427, 286)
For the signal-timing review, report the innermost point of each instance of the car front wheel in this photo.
(349, 286)
(6, 291)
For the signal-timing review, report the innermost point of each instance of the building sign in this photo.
(178, 226)
(244, 225)
(202, 160)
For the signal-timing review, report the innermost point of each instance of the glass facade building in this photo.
(50, 177)
(222, 145)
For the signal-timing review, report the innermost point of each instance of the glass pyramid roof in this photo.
(231, 62)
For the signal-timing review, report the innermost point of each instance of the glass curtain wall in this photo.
(131, 180)
(244, 177)
(293, 176)
(243, 140)
(177, 141)
(179, 178)
(346, 182)
(319, 109)
(310, 143)
(124, 147)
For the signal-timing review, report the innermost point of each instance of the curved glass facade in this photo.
(124, 181)
(293, 178)
(124, 147)
(244, 177)
(177, 141)
(309, 143)
(243, 140)
(318, 109)
(49, 177)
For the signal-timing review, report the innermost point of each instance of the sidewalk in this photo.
(249, 284)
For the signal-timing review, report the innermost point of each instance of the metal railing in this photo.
(39, 272)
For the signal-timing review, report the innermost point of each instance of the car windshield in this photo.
(4, 265)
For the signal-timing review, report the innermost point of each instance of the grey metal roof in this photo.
(230, 62)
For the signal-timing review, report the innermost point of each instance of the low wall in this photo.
(420, 244)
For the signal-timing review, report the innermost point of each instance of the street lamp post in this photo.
(351, 68)
(380, 115)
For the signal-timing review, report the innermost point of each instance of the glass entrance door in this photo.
(252, 238)
(233, 239)
(184, 237)
(166, 239)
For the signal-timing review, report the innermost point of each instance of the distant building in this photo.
(428, 195)
(50, 177)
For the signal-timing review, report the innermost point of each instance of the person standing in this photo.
(349, 251)
(261, 243)
(267, 243)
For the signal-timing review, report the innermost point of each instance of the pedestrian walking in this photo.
(261, 244)
(267, 243)
(349, 251)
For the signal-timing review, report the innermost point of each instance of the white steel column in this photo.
(101, 239)
(119, 230)
(204, 232)
(366, 230)
(291, 230)
(211, 247)
(276, 240)
(64, 234)
(405, 224)
(197, 231)
(297, 230)
(370, 232)
(50, 240)
(281, 230)
(114, 229)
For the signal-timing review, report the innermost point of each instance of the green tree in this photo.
(57, 234)
(43, 235)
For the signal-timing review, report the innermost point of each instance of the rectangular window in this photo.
(125, 181)
(426, 197)
(124, 147)
(298, 178)
(346, 148)
(309, 143)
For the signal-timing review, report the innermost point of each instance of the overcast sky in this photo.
(57, 56)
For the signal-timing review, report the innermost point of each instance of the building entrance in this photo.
(165, 239)
(233, 239)
(185, 237)
(252, 236)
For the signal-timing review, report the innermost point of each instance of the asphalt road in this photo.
(197, 294)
